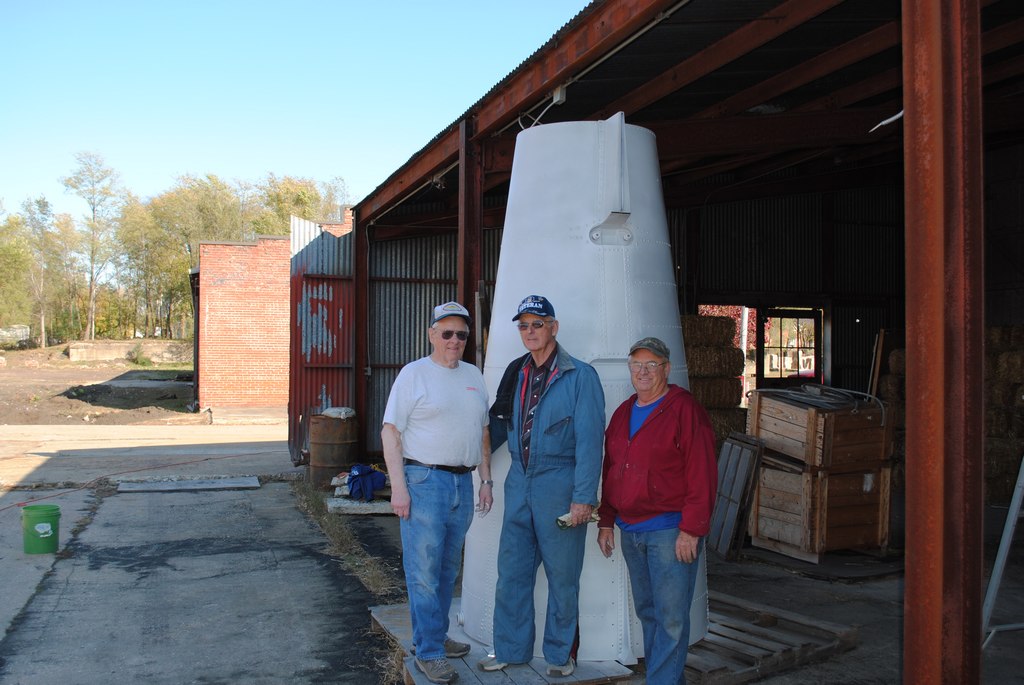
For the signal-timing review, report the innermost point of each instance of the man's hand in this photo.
(579, 514)
(401, 503)
(486, 500)
(606, 541)
(686, 547)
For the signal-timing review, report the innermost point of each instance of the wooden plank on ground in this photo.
(746, 641)
(193, 484)
(737, 649)
(344, 505)
(394, 619)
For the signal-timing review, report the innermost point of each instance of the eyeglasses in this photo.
(461, 335)
(636, 367)
(535, 325)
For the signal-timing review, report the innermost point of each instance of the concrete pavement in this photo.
(234, 586)
(224, 586)
(50, 455)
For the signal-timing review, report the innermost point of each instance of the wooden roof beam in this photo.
(851, 52)
(595, 35)
(766, 133)
(743, 40)
(599, 33)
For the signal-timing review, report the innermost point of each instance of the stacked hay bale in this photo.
(1004, 410)
(715, 368)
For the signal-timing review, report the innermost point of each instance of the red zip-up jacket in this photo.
(669, 465)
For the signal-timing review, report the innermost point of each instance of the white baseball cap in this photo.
(447, 309)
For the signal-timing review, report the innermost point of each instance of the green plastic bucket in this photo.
(41, 526)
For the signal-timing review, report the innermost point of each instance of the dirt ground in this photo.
(44, 387)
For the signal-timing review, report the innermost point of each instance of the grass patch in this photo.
(379, 578)
(138, 356)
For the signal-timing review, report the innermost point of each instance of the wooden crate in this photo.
(804, 512)
(849, 439)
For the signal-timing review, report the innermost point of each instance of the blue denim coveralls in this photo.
(565, 466)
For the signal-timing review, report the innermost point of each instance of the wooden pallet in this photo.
(746, 641)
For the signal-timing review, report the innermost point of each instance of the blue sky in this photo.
(313, 89)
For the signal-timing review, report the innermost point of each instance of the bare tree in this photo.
(97, 184)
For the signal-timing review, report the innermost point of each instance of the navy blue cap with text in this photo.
(535, 304)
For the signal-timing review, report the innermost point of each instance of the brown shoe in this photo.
(453, 649)
(437, 670)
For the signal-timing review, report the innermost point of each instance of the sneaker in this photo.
(453, 649)
(565, 669)
(437, 670)
(491, 663)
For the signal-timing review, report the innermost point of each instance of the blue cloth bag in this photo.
(363, 480)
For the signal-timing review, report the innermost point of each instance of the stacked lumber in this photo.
(715, 368)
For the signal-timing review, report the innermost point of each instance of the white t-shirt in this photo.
(440, 412)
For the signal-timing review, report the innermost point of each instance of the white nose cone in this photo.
(585, 227)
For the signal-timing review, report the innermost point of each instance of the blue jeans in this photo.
(432, 540)
(662, 592)
(530, 537)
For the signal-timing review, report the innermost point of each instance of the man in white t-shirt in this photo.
(434, 436)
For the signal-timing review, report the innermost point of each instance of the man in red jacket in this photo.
(660, 479)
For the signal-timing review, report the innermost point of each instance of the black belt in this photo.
(442, 467)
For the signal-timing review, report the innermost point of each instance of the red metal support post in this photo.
(945, 339)
(362, 326)
(471, 221)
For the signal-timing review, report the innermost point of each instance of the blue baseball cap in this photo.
(535, 304)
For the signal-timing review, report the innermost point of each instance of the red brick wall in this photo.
(243, 323)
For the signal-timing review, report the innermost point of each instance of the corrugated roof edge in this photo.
(497, 86)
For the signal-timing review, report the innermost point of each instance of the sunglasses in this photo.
(637, 367)
(535, 325)
(461, 335)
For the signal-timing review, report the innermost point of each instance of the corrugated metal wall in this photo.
(752, 246)
(408, 278)
(868, 251)
(853, 348)
(806, 250)
(321, 346)
(1004, 236)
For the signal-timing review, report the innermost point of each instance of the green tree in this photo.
(15, 260)
(155, 259)
(97, 184)
(282, 198)
(66, 275)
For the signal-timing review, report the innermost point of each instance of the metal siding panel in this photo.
(868, 242)
(379, 386)
(408, 278)
(321, 340)
(771, 245)
(853, 342)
